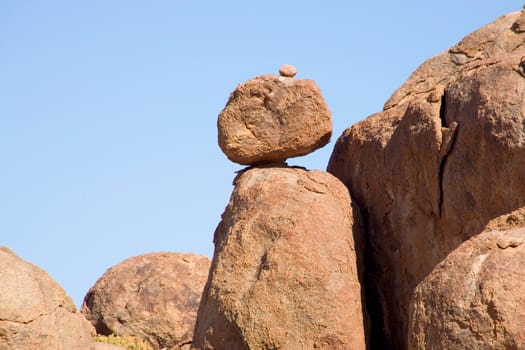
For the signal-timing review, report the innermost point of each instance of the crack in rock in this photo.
(448, 137)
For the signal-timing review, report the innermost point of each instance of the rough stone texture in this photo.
(474, 298)
(284, 271)
(35, 312)
(507, 221)
(153, 296)
(270, 118)
(445, 156)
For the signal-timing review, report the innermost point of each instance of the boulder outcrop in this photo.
(284, 272)
(270, 118)
(153, 296)
(474, 298)
(35, 312)
(446, 155)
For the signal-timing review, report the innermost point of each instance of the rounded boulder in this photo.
(270, 119)
(35, 312)
(152, 296)
(474, 298)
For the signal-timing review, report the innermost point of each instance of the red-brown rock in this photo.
(270, 118)
(287, 70)
(474, 298)
(445, 156)
(284, 271)
(35, 312)
(153, 296)
(514, 219)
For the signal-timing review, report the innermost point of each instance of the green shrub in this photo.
(126, 341)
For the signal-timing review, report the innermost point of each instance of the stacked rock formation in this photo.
(284, 273)
(444, 157)
(152, 296)
(35, 312)
(413, 239)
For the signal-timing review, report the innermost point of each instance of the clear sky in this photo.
(108, 109)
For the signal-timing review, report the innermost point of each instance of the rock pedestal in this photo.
(284, 272)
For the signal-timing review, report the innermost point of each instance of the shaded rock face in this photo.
(284, 272)
(35, 312)
(153, 296)
(474, 298)
(270, 118)
(445, 156)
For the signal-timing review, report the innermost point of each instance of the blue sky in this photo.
(108, 109)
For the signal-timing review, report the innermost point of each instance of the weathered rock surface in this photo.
(474, 298)
(153, 296)
(270, 118)
(35, 312)
(445, 156)
(507, 221)
(284, 271)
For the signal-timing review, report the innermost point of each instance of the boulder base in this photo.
(284, 272)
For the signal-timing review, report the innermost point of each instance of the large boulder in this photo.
(35, 312)
(444, 157)
(284, 272)
(152, 296)
(474, 298)
(271, 118)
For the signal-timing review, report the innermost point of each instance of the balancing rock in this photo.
(271, 118)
